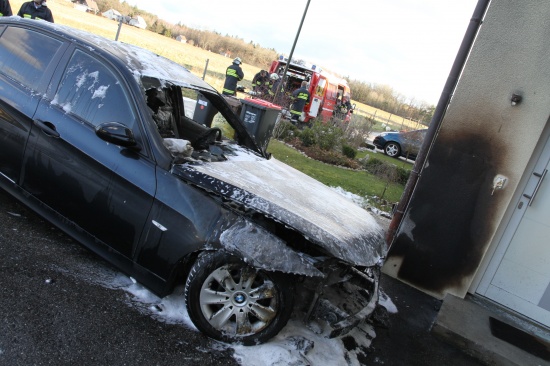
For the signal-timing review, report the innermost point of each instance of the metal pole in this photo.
(118, 30)
(205, 68)
(292, 51)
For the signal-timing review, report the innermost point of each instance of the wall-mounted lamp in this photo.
(516, 99)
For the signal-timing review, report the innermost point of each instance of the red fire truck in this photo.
(327, 91)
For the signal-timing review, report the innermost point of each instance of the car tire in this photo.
(231, 301)
(392, 149)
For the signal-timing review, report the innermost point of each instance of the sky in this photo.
(409, 45)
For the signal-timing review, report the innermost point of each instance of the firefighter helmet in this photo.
(237, 61)
(274, 76)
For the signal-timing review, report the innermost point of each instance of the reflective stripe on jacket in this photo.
(301, 98)
(28, 10)
(233, 74)
(5, 8)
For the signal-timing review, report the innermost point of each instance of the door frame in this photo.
(512, 218)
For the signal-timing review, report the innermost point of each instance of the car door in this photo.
(104, 189)
(27, 59)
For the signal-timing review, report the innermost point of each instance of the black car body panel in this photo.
(82, 144)
(338, 226)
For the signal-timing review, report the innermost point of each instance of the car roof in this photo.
(139, 62)
(401, 132)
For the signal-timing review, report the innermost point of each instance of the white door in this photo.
(518, 276)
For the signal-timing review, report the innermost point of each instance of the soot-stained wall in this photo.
(453, 214)
(450, 213)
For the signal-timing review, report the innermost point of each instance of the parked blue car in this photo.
(396, 144)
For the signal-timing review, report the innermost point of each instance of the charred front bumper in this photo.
(345, 297)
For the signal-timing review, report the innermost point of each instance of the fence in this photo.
(393, 121)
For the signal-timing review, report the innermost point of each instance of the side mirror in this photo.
(118, 134)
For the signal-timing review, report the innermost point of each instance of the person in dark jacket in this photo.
(36, 9)
(5, 8)
(300, 98)
(345, 106)
(233, 74)
(259, 82)
(277, 97)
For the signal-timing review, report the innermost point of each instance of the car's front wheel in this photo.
(231, 301)
(392, 149)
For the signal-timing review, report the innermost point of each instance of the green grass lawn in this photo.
(402, 163)
(358, 182)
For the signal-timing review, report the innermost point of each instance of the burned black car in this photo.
(151, 168)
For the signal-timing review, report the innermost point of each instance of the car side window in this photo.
(91, 91)
(25, 54)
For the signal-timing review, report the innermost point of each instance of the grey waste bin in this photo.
(204, 111)
(259, 118)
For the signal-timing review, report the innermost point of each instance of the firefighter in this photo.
(36, 9)
(259, 82)
(271, 91)
(300, 97)
(5, 8)
(233, 74)
(345, 106)
(274, 83)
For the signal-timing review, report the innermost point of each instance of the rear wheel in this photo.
(231, 301)
(392, 149)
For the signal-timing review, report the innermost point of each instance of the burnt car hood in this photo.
(277, 190)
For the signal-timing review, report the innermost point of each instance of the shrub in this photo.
(371, 164)
(349, 151)
(308, 138)
(331, 157)
(387, 171)
(285, 131)
(327, 137)
(358, 130)
(403, 175)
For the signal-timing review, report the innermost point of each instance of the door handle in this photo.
(47, 127)
(541, 178)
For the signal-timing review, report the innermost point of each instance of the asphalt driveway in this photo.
(59, 305)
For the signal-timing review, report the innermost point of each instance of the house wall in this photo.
(453, 215)
(111, 14)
